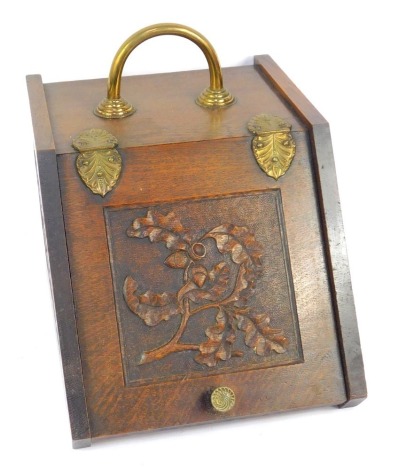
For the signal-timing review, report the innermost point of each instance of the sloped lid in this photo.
(166, 109)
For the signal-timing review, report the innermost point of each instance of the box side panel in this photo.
(332, 225)
(339, 270)
(58, 264)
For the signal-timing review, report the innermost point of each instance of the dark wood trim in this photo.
(339, 272)
(40, 117)
(288, 90)
(332, 222)
(58, 264)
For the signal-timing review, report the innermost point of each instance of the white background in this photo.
(343, 56)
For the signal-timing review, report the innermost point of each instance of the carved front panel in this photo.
(203, 287)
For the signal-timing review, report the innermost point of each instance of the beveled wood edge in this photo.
(332, 226)
(288, 90)
(338, 266)
(40, 117)
(58, 263)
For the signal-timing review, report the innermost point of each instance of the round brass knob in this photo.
(222, 399)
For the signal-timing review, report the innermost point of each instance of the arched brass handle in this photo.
(215, 96)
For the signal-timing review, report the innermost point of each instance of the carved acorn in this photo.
(178, 259)
(199, 275)
(197, 251)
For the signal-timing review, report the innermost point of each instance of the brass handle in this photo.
(215, 96)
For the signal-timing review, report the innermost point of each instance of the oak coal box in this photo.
(195, 246)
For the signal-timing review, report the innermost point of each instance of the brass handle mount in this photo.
(214, 96)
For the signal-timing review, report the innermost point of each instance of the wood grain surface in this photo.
(170, 173)
(166, 109)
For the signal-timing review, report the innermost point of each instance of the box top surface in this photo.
(166, 109)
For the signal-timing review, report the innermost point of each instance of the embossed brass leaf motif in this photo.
(99, 163)
(222, 290)
(273, 146)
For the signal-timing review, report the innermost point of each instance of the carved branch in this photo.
(173, 345)
(231, 298)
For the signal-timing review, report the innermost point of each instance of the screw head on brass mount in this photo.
(214, 96)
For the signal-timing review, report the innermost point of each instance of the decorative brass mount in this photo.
(273, 144)
(215, 96)
(99, 163)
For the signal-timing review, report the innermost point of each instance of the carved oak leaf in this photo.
(239, 242)
(241, 289)
(218, 346)
(155, 299)
(240, 285)
(260, 336)
(150, 307)
(160, 228)
(236, 297)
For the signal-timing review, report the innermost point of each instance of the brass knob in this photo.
(222, 399)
